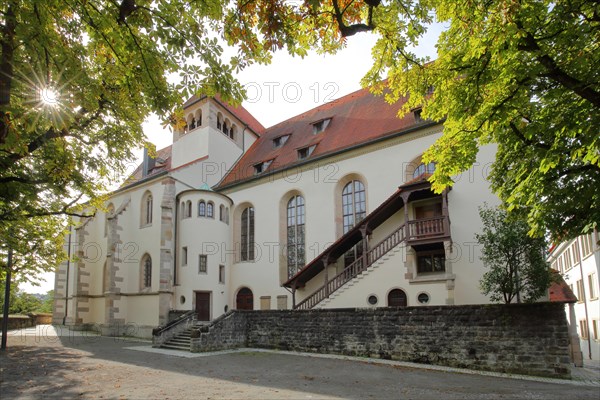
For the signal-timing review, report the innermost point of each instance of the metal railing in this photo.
(171, 324)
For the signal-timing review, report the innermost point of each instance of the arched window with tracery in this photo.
(201, 208)
(354, 210)
(295, 234)
(247, 235)
(210, 210)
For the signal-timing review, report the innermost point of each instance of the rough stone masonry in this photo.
(527, 339)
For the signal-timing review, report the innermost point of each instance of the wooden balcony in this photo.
(428, 230)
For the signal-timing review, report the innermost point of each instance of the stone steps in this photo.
(183, 340)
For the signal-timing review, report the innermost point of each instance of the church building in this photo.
(329, 209)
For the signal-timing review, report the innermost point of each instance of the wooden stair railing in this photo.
(354, 269)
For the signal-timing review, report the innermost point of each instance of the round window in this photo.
(423, 298)
(372, 299)
(182, 299)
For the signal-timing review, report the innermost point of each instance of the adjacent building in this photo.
(578, 261)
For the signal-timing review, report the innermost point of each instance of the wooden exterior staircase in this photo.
(353, 270)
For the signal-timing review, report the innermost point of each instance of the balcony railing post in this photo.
(325, 269)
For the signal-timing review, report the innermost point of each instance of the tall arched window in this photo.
(222, 213)
(146, 209)
(146, 271)
(353, 204)
(226, 127)
(247, 237)
(295, 235)
(354, 210)
(199, 118)
(219, 121)
(210, 210)
(201, 208)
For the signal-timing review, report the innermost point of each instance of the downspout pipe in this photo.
(67, 283)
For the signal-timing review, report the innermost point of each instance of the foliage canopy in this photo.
(77, 78)
(524, 75)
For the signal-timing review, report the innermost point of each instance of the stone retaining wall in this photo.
(526, 339)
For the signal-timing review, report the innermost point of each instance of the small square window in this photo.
(320, 126)
(305, 152)
(431, 262)
(261, 167)
(418, 117)
(280, 141)
(221, 274)
(184, 256)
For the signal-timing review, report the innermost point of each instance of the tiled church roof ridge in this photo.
(357, 118)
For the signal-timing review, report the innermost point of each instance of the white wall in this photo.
(382, 167)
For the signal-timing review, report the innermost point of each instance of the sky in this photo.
(285, 88)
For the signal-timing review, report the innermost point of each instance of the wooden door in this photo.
(203, 306)
(244, 299)
(423, 214)
(397, 298)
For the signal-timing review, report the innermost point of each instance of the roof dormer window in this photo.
(321, 125)
(280, 141)
(305, 152)
(261, 167)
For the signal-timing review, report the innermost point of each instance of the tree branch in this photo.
(554, 72)
(528, 142)
(349, 30)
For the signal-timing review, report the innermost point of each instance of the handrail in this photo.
(182, 318)
(354, 269)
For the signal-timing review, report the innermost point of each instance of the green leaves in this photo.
(524, 76)
(516, 263)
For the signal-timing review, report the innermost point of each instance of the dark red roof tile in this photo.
(559, 291)
(357, 118)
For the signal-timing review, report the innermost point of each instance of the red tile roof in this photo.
(240, 112)
(163, 154)
(559, 291)
(357, 118)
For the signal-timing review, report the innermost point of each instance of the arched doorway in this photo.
(397, 298)
(244, 299)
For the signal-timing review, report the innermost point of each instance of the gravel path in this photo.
(37, 366)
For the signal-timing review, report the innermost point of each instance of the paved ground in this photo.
(40, 365)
